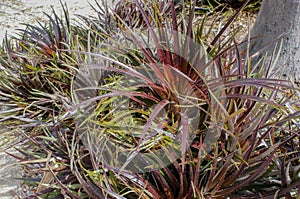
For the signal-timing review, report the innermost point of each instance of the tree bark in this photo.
(279, 21)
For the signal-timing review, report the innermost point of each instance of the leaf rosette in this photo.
(145, 98)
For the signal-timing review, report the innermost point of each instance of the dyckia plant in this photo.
(138, 104)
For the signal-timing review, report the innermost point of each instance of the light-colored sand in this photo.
(8, 171)
(14, 12)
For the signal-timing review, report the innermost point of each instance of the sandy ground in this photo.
(9, 186)
(14, 12)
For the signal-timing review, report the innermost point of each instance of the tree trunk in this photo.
(279, 20)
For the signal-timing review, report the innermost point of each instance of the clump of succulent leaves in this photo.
(139, 102)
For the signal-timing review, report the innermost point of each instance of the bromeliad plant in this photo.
(137, 103)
